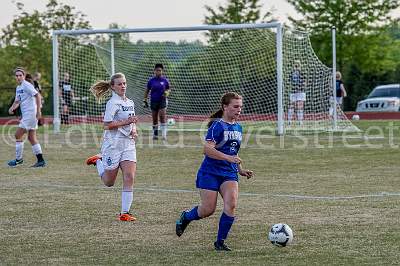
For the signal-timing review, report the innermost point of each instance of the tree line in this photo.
(368, 40)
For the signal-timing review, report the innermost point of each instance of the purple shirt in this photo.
(157, 87)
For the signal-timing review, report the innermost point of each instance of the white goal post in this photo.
(266, 63)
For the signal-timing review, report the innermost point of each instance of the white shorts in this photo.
(339, 100)
(28, 122)
(114, 151)
(298, 96)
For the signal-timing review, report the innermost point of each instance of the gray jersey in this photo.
(25, 95)
(119, 109)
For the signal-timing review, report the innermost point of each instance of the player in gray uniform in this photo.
(118, 149)
(29, 100)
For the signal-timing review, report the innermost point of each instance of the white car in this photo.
(385, 98)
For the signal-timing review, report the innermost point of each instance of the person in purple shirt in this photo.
(158, 87)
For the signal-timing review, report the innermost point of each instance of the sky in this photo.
(144, 13)
(140, 13)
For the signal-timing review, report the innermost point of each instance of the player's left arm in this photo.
(344, 92)
(38, 99)
(167, 90)
(245, 172)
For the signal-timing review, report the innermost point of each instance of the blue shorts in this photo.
(212, 181)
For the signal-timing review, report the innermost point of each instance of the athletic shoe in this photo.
(93, 159)
(221, 246)
(126, 217)
(181, 224)
(39, 164)
(15, 162)
(155, 137)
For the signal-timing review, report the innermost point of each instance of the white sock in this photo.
(36, 149)
(290, 114)
(163, 130)
(300, 115)
(126, 200)
(19, 149)
(100, 167)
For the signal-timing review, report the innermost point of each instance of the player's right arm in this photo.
(13, 107)
(120, 123)
(212, 152)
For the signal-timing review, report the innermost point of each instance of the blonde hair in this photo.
(102, 88)
(338, 75)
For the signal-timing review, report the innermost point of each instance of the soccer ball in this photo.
(280, 235)
(355, 117)
(170, 122)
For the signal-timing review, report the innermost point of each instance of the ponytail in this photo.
(102, 88)
(214, 116)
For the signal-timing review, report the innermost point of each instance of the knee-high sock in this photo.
(126, 201)
(19, 149)
(290, 114)
(192, 214)
(155, 130)
(37, 150)
(163, 130)
(300, 115)
(100, 167)
(225, 224)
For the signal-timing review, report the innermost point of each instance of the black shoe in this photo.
(221, 246)
(39, 164)
(181, 224)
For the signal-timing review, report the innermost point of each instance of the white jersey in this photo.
(25, 95)
(119, 109)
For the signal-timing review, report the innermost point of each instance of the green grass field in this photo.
(339, 193)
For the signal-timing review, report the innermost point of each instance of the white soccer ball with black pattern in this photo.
(170, 121)
(280, 235)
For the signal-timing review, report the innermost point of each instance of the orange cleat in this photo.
(126, 217)
(93, 159)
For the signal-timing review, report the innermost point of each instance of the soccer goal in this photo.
(201, 63)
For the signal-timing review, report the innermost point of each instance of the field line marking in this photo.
(250, 194)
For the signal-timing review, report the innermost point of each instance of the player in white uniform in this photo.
(29, 100)
(118, 149)
(297, 97)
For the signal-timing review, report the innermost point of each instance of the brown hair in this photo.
(101, 88)
(28, 77)
(19, 69)
(225, 100)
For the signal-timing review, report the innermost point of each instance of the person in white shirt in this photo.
(118, 149)
(29, 101)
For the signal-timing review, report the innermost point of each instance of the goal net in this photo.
(266, 64)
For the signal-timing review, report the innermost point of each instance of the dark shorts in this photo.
(157, 105)
(66, 99)
(212, 181)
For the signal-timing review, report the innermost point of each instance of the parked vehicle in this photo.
(384, 98)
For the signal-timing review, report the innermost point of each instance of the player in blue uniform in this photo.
(219, 169)
(159, 89)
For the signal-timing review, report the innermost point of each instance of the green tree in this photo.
(364, 46)
(235, 12)
(26, 41)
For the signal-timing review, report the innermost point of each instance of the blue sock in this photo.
(225, 224)
(192, 214)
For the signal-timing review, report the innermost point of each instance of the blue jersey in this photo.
(297, 80)
(227, 138)
(157, 87)
(339, 88)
